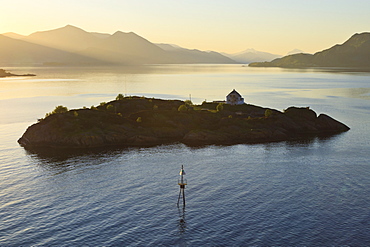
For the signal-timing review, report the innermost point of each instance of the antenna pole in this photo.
(182, 182)
(183, 196)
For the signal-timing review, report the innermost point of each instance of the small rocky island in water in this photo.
(140, 121)
(4, 73)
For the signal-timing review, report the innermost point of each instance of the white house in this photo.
(234, 98)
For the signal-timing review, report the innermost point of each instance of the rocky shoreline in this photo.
(142, 122)
(3, 73)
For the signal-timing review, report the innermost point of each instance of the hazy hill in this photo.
(68, 38)
(178, 54)
(19, 52)
(14, 35)
(169, 47)
(295, 51)
(355, 52)
(251, 55)
(127, 48)
(119, 48)
(101, 35)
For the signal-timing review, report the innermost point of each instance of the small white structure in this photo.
(234, 98)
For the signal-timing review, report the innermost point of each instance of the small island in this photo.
(3, 73)
(140, 121)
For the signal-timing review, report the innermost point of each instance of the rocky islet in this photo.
(139, 121)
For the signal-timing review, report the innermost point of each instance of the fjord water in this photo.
(313, 192)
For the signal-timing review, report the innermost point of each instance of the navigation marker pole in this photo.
(182, 182)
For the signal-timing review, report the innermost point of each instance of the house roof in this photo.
(234, 92)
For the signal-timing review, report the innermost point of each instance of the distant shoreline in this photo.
(330, 69)
(3, 73)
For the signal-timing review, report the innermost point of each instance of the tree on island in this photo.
(220, 107)
(110, 108)
(58, 109)
(268, 112)
(120, 97)
(182, 108)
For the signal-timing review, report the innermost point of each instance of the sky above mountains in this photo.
(223, 26)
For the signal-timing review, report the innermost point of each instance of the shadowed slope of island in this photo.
(135, 121)
(354, 53)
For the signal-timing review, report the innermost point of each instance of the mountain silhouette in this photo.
(251, 55)
(169, 47)
(295, 51)
(119, 49)
(179, 54)
(127, 48)
(355, 52)
(19, 52)
(68, 38)
(14, 35)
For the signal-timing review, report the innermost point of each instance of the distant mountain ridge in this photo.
(294, 51)
(252, 55)
(15, 52)
(355, 52)
(191, 55)
(14, 35)
(71, 45)
(68, 38)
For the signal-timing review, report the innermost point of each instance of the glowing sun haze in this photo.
(224, 26)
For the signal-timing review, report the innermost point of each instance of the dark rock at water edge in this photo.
(142, 122)
(3, 73)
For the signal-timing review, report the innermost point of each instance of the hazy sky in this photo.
(276, 26)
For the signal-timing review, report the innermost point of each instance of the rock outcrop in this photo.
(138, 121)
(3, 73)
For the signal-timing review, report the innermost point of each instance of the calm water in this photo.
(309, 193)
